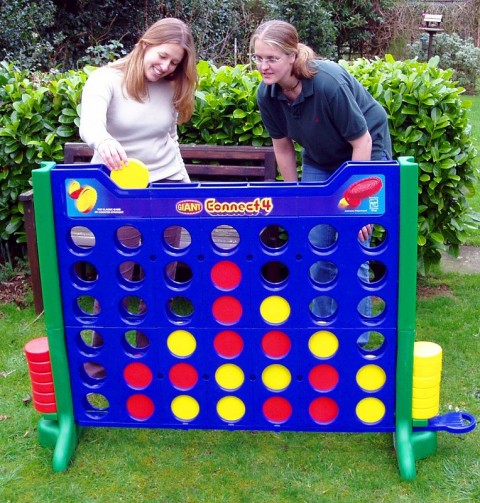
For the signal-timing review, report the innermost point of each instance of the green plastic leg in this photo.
(404, 438)
(48, 431)
(412, 446)
(424, 443)
(61, 434)
(57, 430)
(66, 443)
(405, 451)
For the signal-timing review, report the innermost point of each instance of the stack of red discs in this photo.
(41, 377)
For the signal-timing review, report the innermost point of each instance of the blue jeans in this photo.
(323, 236)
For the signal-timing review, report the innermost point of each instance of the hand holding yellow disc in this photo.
(133, 175)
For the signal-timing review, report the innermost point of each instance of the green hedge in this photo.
(226, 110)
(38, 114)
(428, 119)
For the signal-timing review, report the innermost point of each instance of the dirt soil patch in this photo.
(427, 291)
(16, 290)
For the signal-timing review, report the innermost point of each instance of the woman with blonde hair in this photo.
(318, 104)
(131, 107)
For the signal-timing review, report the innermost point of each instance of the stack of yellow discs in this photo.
(427, 371)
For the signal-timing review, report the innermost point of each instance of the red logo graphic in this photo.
(359, 191)
(189, 207)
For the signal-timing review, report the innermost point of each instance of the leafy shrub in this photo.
(428, 121)
(453, 52)
(102, 54)
(38, 113)
(221, 28)
(58, 33)
(26, 34)
(322, 34)
(226, 111)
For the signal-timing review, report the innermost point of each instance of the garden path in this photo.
(468, 261)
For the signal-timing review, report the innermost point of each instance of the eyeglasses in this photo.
(258, 60)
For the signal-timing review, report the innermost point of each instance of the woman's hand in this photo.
(365, 232)
(112, 154)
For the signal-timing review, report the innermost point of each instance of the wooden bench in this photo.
(203, 163)
(207, 162)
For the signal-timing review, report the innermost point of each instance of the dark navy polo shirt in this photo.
(332, 109)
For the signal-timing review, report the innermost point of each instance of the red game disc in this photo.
(137, 375)
(45, 408)
(227, 310)
(277, 409)
(183, 376)
(323, 410)
(36, 350)
(323, 377)
(276, 344)
(226, 275)
(43, 398)
(228, 344)
(40, 367)
(140, 407)
(41, 377)
(361, 190)
(42, 387)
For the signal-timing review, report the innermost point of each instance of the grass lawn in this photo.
(141, 465)
(473, 236)
(217, 466)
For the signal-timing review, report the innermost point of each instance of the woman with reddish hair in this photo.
(131, 107)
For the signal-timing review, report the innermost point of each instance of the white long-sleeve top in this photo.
(147, 131)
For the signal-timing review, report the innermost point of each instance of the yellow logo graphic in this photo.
(252, 208)
(85, 197)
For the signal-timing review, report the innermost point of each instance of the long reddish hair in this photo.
(185, 78)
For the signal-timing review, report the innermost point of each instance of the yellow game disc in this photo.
(426, 403)
(185, 408)
(323, 344)
(275, 310)
(181, 343)
(370, 410)
(276, 377)
(230, 377)
(427, 370)
(425, 413)
(73, 188)
(426, 382)
(371, 377)
(133, 175)
(427, 354)
(426, 392)
(230, 408)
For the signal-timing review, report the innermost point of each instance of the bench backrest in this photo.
(206, 162)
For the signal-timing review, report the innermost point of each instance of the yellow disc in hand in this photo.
(133, 175)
